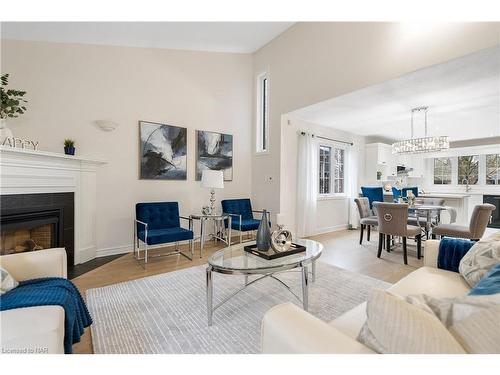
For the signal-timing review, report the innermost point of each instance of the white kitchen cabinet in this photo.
(378, 158)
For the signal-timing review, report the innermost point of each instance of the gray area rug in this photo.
(167, 313)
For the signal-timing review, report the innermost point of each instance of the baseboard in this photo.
(124, 249)
(334, 228)
(85, 254)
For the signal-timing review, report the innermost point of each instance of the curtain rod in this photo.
(329, 139)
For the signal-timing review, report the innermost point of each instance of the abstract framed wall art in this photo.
(163, 151)
(214, 151)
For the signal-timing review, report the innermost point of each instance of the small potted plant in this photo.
(69, 146)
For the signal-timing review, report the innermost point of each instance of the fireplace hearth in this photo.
(32, 222)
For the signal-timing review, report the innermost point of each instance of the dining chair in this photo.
(366, 219)
(392, 221)
(374, 194)
(478, 222)
(405, 191)
(396, 194)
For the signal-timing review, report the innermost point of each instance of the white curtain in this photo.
(352, 183)
(307, 185)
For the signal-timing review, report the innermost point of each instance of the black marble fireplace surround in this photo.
(23, 210)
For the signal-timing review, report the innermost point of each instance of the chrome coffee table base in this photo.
(305, 285)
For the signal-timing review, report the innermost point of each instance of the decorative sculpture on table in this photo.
(281, 240)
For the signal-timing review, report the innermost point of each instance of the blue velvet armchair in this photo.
(158, 223)
(242, 215)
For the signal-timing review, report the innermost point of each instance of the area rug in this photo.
(167, 313)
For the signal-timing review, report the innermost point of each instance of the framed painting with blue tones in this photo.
(163, 151)
(214, 151)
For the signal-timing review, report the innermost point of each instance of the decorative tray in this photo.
(270, 254)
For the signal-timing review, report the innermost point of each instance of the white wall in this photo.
(312, 62)
(332, 213)
(69, 86)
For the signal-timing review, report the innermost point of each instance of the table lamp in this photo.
(213, 180)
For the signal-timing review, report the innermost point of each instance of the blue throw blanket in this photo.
(52, 291)
(451, 251)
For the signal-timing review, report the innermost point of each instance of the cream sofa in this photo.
(34, 329)
(287, 328)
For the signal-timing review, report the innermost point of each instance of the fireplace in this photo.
(32, 222)
(495, 215)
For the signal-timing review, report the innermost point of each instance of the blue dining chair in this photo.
(241, 213)
(414, 190)
(158, 223)
(396, 194)
(374, 194)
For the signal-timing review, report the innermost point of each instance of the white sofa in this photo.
(34, 329)
(287, 328)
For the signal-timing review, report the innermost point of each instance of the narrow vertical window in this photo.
(325, 161)
(338, 187)
(262, 134)
(493, 169)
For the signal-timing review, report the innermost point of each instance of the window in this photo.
(325, 161)
(468, 169)
(493, 169)
(442, 171)
(262, 134)
(331, 170)
(338, 177)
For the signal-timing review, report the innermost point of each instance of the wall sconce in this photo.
(107, 126)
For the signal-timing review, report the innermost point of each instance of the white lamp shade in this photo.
(212, 179)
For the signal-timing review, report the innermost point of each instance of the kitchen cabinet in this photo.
(378, 158)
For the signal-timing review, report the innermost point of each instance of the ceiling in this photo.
(235, 37)
(463, 96)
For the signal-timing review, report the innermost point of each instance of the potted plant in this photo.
(69, 146)
(11, 105)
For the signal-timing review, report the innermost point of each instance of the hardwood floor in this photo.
(342, 249)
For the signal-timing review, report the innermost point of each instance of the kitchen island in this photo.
(458, 201)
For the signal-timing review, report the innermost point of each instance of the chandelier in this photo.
(420, 145)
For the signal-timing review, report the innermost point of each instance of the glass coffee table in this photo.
(234, 260)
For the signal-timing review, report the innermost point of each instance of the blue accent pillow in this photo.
(451, 252)
(489, 284)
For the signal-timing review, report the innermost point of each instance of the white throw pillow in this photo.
(397, 327)
(7, 282)
(477, 262)
(474, 321)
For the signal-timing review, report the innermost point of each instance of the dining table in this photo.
(429, 210)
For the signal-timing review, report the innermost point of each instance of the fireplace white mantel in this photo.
(25, 171)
